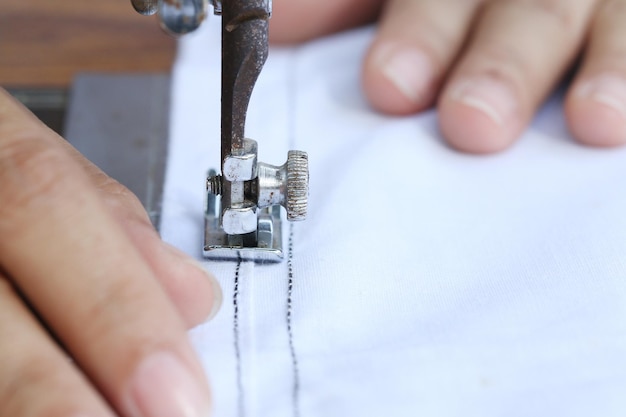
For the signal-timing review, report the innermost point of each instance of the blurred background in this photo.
(44, 44)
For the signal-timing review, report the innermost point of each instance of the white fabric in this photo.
(426, 282)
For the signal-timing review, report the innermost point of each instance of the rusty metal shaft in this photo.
(244, 51)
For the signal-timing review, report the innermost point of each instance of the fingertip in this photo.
(398, 78)
(218, 300)
(215, 295)
(469, 130)
(479, 116)
(596, 111)
(195, 291)
(163, 385)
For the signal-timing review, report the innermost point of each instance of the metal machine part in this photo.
(242, 218)
(129, 143)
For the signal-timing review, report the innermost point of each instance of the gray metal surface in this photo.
(48, 104)
(121, 123)
(264, 245)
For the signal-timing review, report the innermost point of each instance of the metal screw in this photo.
(214, 184)
(297, 185)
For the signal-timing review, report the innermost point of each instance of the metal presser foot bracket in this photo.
(243, 216)
(253, 230)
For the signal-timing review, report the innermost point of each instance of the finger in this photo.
(596, 104)
(300, 20)
(519, 50)
(416, 43)
(36, 379)
(76, 265)
(193, 290)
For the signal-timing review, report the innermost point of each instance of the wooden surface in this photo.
(43, 43)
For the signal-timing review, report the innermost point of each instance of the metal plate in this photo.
(263, 246)
(121, 123)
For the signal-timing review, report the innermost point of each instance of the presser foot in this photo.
(243, 210)
(264, 245)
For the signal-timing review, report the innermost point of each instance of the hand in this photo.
(93, 306)
(487, 64)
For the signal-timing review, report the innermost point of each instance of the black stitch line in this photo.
(240, 398)
(292, 350)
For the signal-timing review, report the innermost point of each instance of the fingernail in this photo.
(218, 296)
(217, 289)
(163, 387)
(408, 69)
(491, 97)
(607, 89)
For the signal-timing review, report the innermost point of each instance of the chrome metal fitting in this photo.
(256, 215)
(241, 167)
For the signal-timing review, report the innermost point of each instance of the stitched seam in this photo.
(237, 346)
(292, 350)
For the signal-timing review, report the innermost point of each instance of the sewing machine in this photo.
(242, 216)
